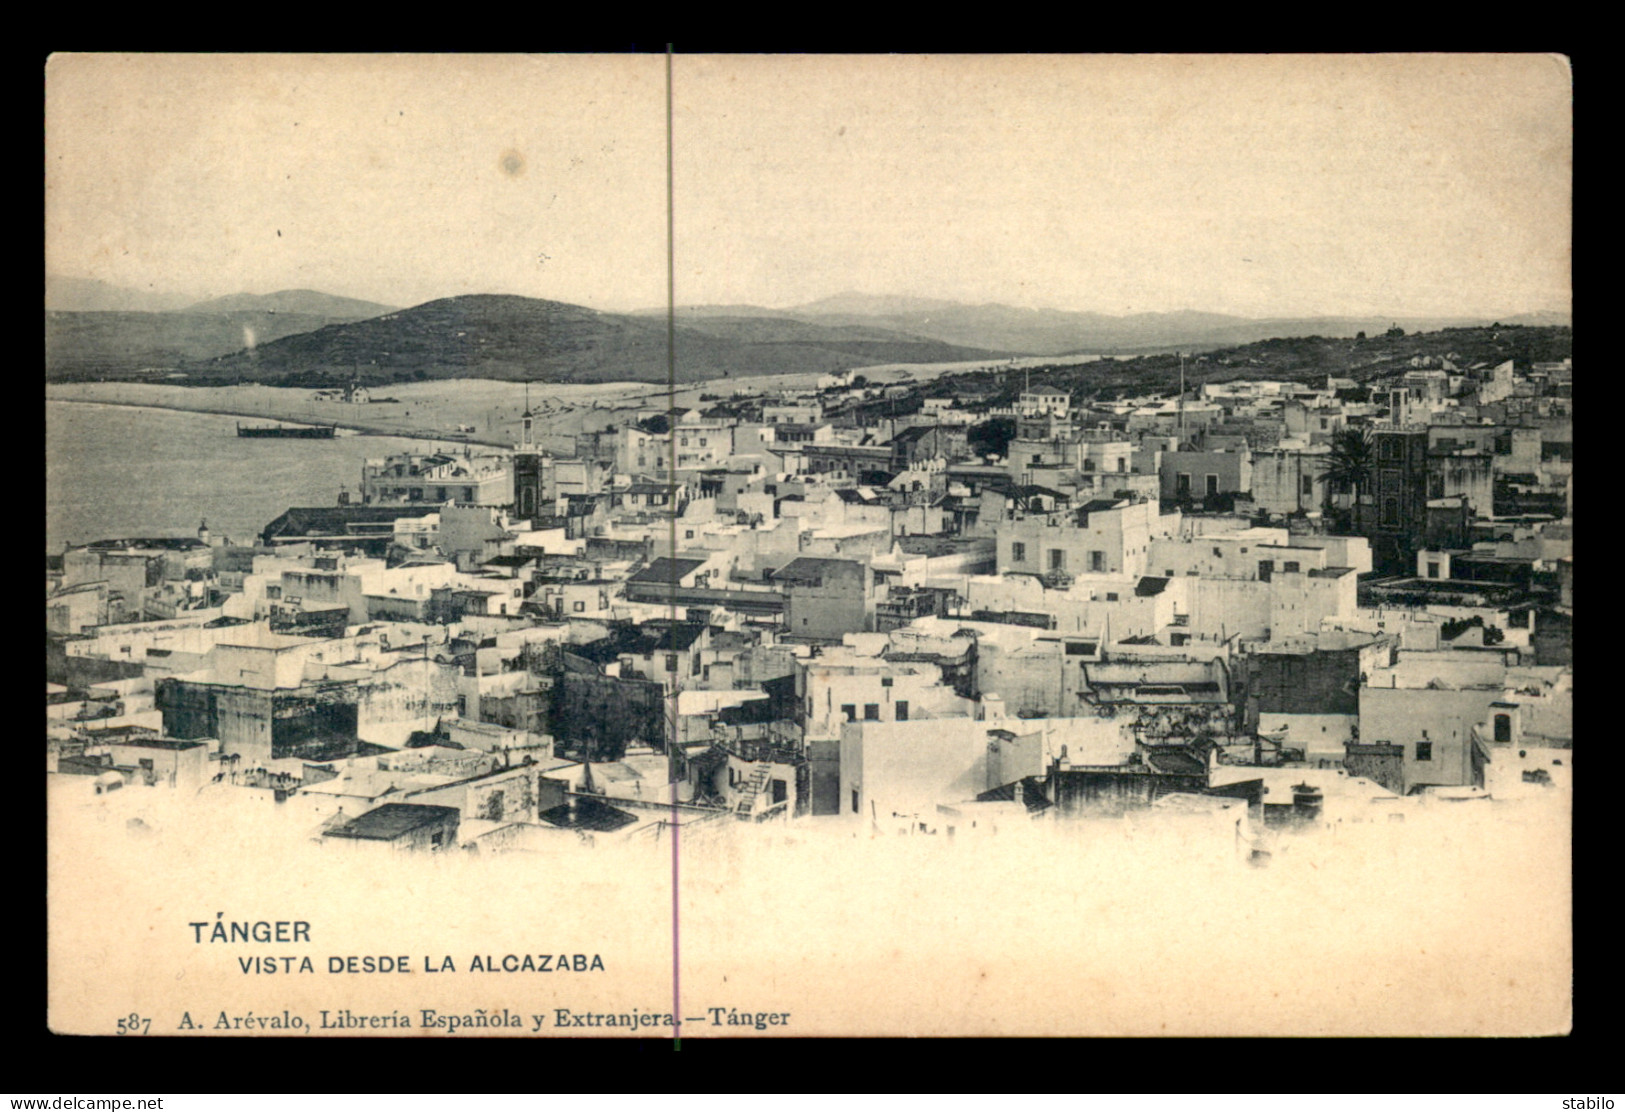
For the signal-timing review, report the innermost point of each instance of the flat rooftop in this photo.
(386, 823)
(169, 743)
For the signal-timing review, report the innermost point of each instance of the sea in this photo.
(131, 471)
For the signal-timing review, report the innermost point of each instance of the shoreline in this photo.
(563, 411)
(359, 430)
(497, 415)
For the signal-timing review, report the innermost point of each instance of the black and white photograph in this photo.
(692, 546)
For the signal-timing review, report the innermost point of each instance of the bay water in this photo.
(123, 471)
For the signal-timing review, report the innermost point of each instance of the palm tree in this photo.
(1348, 466)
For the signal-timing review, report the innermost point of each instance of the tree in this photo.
(1348, 466)
(992, 437)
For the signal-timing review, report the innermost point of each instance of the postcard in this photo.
(741, 546)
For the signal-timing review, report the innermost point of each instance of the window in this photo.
(1036, 461)
(1122, 463)
(1424, 750)
(685, 441)
(854, 801)
(885, 681)
(1182, 484)
(1088, 465)
(902, 710)
(1433, 569)
(702, 441)
(1266, 568)
(1111, 596)
(1309, 485)
(1057, 559)
(671, 662)
(1097, 560)
(850, 710)
(1503, 728)
(1290, 566)
(1212, 484)
(871, 712)
(1018, 552)
(688, 534)
(580, 607)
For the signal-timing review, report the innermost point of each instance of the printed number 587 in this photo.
(133, 1024)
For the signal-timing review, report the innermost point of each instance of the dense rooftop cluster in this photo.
(1278, 603)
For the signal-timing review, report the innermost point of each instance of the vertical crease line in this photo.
(671, 513)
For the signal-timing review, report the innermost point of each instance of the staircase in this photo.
(752, 788)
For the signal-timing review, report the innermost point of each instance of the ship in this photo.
(298, 432)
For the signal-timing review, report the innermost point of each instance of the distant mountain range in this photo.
(94, 329)
(1059, 332)
(108, 334)
(88, 295)
(92, 345)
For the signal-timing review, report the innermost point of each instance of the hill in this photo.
(507, 337)
(1060, 332)
(311, 303)
(1006, 328)
(1307, 359)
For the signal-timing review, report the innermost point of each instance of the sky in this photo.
(1259, 185)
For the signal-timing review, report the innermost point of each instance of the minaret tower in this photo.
(527, 466)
